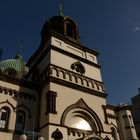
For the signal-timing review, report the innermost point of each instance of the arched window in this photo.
(4, 117)
(71, 29)
(20, 120)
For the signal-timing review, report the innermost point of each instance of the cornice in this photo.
(19, 82)
(72, 79)
(75, 56)
(77, 87)
(48, 70)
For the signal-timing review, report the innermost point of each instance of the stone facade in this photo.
(62, 96)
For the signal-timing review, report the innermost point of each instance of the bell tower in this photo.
(72, 95)
(59, 93)
(72, 91)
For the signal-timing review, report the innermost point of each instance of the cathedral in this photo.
(59, 93)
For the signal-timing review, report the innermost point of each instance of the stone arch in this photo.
(79, 80)
(74, 78)
(81, 109)
(91, 84)
(55, 72)
(61, 74)
(85, 83)
(97, 86)
(68, 76)
(8, 104)
(102, 88)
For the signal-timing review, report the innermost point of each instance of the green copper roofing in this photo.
(17, 64)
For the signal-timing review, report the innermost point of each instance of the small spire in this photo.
(60, 11)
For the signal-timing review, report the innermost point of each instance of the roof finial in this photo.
(19, 53)
(60, 12)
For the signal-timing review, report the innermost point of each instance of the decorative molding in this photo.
(72, 42)
(45, 48)
(7, 101)
(70, 129)
(57, 135)
(77, 87)
(78, 67)
(78, 132)
(75, 57)
(75, 79)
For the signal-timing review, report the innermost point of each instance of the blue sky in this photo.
(111, 27)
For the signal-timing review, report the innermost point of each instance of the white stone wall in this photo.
(127, 128)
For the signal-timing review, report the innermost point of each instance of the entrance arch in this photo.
(81, 121)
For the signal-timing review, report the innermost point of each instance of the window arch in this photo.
(4, 117)
(20, 120)
(70, 29)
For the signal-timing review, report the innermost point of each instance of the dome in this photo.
(14, 66)
(63, 25)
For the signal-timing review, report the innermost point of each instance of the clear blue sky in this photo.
(111, 27)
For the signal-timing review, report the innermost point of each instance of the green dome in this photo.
(14, 66)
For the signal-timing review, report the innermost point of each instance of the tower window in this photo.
(70, 30)
(4, 117)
